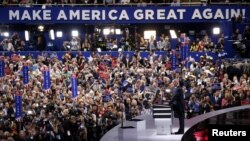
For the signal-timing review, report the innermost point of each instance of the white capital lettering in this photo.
(218, 14)
(196, 14)
(61, 15)
(215, 132)
(36, 15)
(14, 15)
(124, 15)
(47, 15)
(171, 14)
(149, 14)
(85, 15)
(96, 15)
(207, 14)
(138, 14)
(181, 11)
(161, 14)
(74, 14)
(26, 15)
(111, 16)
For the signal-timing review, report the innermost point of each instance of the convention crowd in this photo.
(133, 83)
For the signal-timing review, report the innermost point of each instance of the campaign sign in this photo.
(25, 74)
(46, 77)
(74, 86)
(2, 66)
(18, 105)
(173, 59)
(106, 98)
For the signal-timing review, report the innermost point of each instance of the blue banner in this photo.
(18, 105)
(74, 86)
(2, 66)
(46, 78)
(187, 52)
(173, 59)
(187, 56)
(184, 51)
(120, 14)
(106, 98)
(25, 74)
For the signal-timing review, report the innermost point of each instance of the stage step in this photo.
(162, 111)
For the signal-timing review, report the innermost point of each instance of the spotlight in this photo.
(216, 30)
(40, 28)
(59, 34)
(112, 30)
(6, 34)
(149, 33)
(173, 34)
(52, 34)
(74, 33)
(106, 31)
(117, 31)
(27, 35)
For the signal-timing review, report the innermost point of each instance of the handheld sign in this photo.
(74, 86)
(18, 105)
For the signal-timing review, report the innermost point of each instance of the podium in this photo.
(162, 115)
(139, 124)
(131, 129)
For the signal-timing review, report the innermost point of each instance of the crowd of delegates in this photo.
(206, 44)
(13, 43)
(127, 42)
(133, 84)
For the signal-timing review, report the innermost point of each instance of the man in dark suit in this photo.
(126, 60)
(216, 100)
(178, 105)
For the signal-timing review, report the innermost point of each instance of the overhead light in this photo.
(52, 34)
(75, 33)
(216, 30)
(6, 34)
(173, 34)
(27, 35)
(59, 34)
(148, 34)
(106, 31)
(40, 28)
(118, 31)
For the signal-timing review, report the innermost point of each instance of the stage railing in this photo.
(190, 3)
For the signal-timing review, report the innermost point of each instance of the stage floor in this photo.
(147, 134)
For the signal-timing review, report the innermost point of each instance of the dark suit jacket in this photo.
(216, 104)
(178, 99)
(126, 62)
